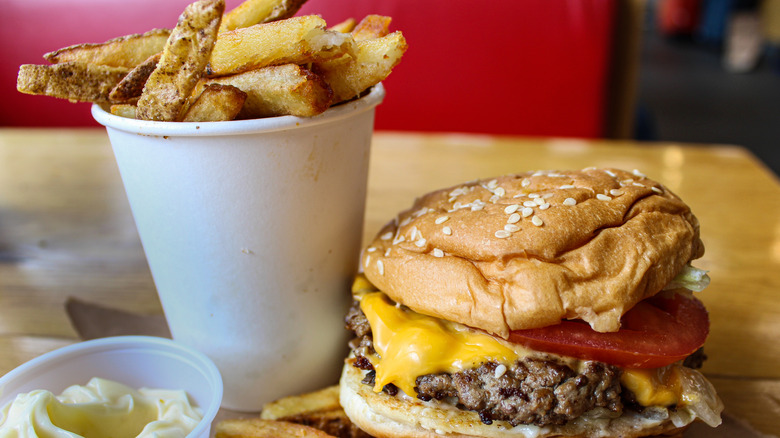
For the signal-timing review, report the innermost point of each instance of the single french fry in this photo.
(182, 63)
(280, 90)
(374, 59)
(216, 103)
(252, 12)
(75, 81)
(372, 26)
(123, 110)
(323, 400)
(258, 428)
(132, 85)
(296, 40)
(126, 51)
(345, 26)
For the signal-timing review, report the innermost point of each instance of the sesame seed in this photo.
(511, 208)
(511, 228)
(406, 221)
(569, 201)
(447, 231)
(387, 252)
(500, 371)
(502, 234)
(370, 249)
(547, 195)
(526, 183)
(519, 195)
(638, 184)
(544, 206)
(513, 219)
(610, 173)
(420, 212)
(441, 219)
(529, 204)
(477, 205)
(639, 174)
(437, 252)
(537, 221)
(458, 205)
(400, 238)
(602, 197)
(527, 211)
(368, 259)
(533, 195)
(387, 236)
(566, 186)
(414, 233)
(538, 173)
(539, 201)
(420, 242)
(492, 184)
(380, 267)
(500, 191)
(615, 192)
(657, 190)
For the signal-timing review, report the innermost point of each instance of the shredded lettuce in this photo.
(691, 278)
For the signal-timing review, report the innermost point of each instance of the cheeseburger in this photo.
(546, 304)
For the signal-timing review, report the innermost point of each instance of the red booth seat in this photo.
(531, 67)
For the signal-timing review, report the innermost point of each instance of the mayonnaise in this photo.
(100, 409)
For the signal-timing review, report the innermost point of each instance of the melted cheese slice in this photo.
(410, 344)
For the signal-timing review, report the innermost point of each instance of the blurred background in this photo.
(694, 71)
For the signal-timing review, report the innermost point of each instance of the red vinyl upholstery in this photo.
(531, 67)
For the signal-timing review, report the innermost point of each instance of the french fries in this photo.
(126, 51)
(371, 26)
(75, 81)
(257, 60)
(132, 85)
(297, 40)
(345, 26)
(320, 409)
(279, 90)
(258, 428)
(253, 12)
(182, 63)
(373, 61)
(215, 104)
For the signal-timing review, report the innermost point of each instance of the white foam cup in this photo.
(252, 232)
(135, 361)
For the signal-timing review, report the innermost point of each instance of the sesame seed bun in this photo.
(528, 250)
(384, 416)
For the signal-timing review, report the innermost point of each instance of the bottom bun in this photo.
(385, 416)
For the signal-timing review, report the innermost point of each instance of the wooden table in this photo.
(66, 231)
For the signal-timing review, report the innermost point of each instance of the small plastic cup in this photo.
(136, 361)
(252, 231)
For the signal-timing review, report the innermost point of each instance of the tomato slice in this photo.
(656, 332)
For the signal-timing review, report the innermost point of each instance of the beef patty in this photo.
(536, 391)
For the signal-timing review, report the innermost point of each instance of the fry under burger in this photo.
(546, 304)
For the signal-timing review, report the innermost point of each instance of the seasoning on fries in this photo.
(257, 60)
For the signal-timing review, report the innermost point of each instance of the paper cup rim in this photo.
(249, 126)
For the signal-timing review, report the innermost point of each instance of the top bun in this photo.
(528, 250)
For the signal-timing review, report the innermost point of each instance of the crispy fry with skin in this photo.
(297, 40)
(280, 90)
(252, 12)
(183, 60)
(258, 428)
(126, 51)
(345, 26)
(123, 110)
(217, 103)
(371, 26)
(75, 81)
(131, 86)
(374, 60)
